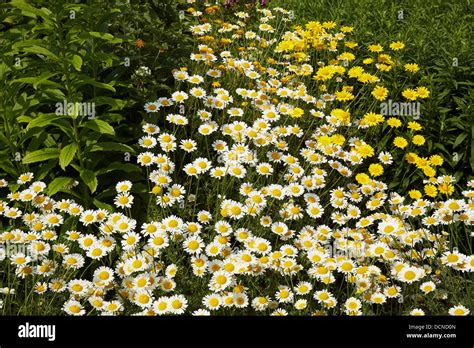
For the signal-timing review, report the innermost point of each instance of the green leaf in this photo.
(46, 168)
(77, 62)
(8, 167)
(54, 94)
(126, 167)
(29, 10)
(87, 80)
(89, 178)
(105, 36)
(44, 77)
(41, 155)
(39, 50)
(459, 139)
(24, 119)
(110, 146)
(102, 205)
(3, 70)
(67, 155)
(100, 126)
(42, 121)
(58, 184)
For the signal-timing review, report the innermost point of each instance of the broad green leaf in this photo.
(89, 178)
(43, 78)
(100, 126)
(102, 205)
(46, 168)
(66, 127)
(29, 10)
(67, 155)
(43, 121)
(8, 167)
(40, 50)
(77, 62)
(24, 119)
(57, 184)
(41, 155)
(54, 94)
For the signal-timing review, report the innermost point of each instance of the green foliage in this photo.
(161, 28)
(70, 97)
(49, 63)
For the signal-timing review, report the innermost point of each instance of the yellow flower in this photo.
(414, 126)
(414, 194)
(396, 46)
(338, 139)
(368, 61)
(375, 48)
(362, 178)
(394, 122)
(411, 157)
(418, 140)
(431, 190)
(411, 67)
(436, 160)
(365, 151)
(371, 119)
(380, 93)
(422, 92)
(351, 44)
(410, 94)
(429, 171)
(400, 142)
(329, 25)
(446, 188)
(355, 71)
(325, 73)
(342, 115)
(297, 113)
(344, 96)
(346, 56)
(375, 169)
